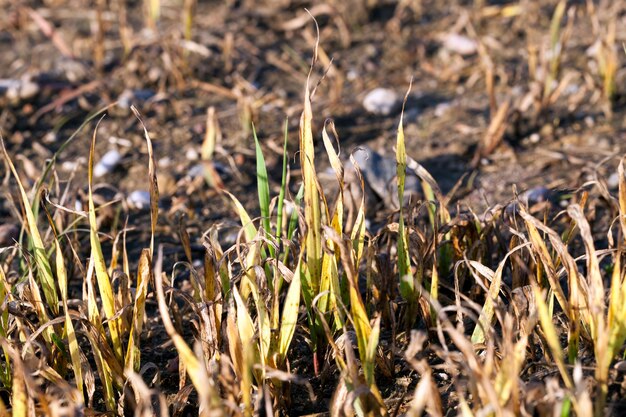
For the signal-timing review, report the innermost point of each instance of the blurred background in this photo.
(504, 93)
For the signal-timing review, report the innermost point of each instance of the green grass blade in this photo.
(283, 186)
(263, 187)
(407, 284)
(44, 271)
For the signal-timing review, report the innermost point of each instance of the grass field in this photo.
(281, 284)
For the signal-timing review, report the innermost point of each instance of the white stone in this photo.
(139, 199)
(460, 44)
(107, 163)
(381, 101)
(192, 154)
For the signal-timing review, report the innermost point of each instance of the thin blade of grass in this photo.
(407, 284)
(154, 187)
(312, 210)
(263, 187)
(144, 272)
(551, 335)
(283, 187)
(102, 276)
(289, 318)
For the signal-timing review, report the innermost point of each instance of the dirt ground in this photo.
(249, 61)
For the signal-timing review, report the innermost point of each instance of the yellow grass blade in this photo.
(69, 326)
(546, 259)
(370, 353)
(622, 198)
(246, 333)
(19, 393)
(102, 276)
(551, 335)
(263, 324)
(312, 213)
(154, 187)
(250, 233)
(289, 317)
(144, 274)
(358, 228)
(96, 321)
(212, 135)
(407, 282)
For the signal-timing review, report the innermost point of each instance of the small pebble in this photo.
(536, 195)
(165, 162)
(139, 199)
(192, 154)
(352, 75)
(19, 90)
(613, 181)
(107, 163)
(69, 165)
(196, 171)
(381, 101)
(442, 109)
(460, 44)
(129, 97)
(380, 172)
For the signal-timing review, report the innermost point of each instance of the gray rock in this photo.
(381, 101)
(380, 175)
(536, 195)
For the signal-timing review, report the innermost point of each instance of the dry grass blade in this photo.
(542, 251)
(551, 335)
(622, 197)
(245, 327)
(19, 394)
(595, 281)
(97, 344)
(495, 133)
(154, 187)
(212, 136)
(144, 277)
(250, 233)
(487, 313)
(195, 368)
